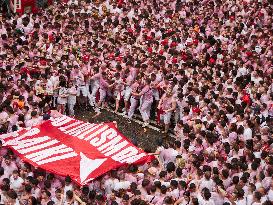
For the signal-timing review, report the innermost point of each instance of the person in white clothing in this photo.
(62, 98)
(16, 182)
(71, 99)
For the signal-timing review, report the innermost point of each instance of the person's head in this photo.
(69, 195)
(32, 201)
(168, 200)
(206, 194)
(15, 174)
(163, 189)
(207, 175)
(6, 181)
(145, 183)
(34, 182)
(7, 159)
(45, 194)
(257, 196)
(187, 195)
(47, 184)
(67, 180)
(12, 196)
(58, 193)
(239, 193)
(170, 167)
(2, 171)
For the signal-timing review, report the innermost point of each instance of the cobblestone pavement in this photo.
(147, 139)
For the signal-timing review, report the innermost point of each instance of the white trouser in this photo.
(71, 106)
(167, 117)
(103, 94)
(92, 96)
(133, 105)
(145, 109)
(127, 93)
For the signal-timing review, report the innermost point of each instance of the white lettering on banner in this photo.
(80, 129)
(113, 146)
(57, 158)
(106, 139)
(128, 155)
(57, 122)
(16, 140)
(109, 133)
(70, 125)
(30, 142)
(37, 147)
(123, 154)
(82, 135)
(31, 132)
(89, 137)
(43, 154)
(8, 135)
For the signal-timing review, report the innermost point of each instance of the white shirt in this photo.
(207, 183)
(122, 185)
(270, 195)
(247, 134)
(241, 202)
(16, 184)
(205, 202)
(49, 87)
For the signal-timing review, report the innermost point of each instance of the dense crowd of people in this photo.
(203, 68)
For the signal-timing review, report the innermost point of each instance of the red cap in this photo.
(249, 53)
(212, 60)
(165, 42)
(173, 44)
(195, 42)
(174, 60)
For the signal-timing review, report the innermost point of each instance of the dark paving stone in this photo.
(147, 140)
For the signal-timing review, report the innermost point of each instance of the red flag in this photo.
(66, 146)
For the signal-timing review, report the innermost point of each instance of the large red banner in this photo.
(82, 150)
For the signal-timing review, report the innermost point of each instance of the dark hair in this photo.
(2, 171)
(195, 201)
(162, 174)
(35, 181)
(47, 193)
(69, 194)
(68, 179)
(157, 184)
(178, 172)
(174, 183)
(170, 167)
(33, 200)
(258, 195)
(47, 184)
(12, 194)
(28, 188)
(6, 180)
(207, 194)
(163, 189)
(145, 182)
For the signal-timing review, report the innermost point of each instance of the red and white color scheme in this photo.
(25, 6)
(66, 146)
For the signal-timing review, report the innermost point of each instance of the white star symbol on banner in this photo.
(87, 166)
